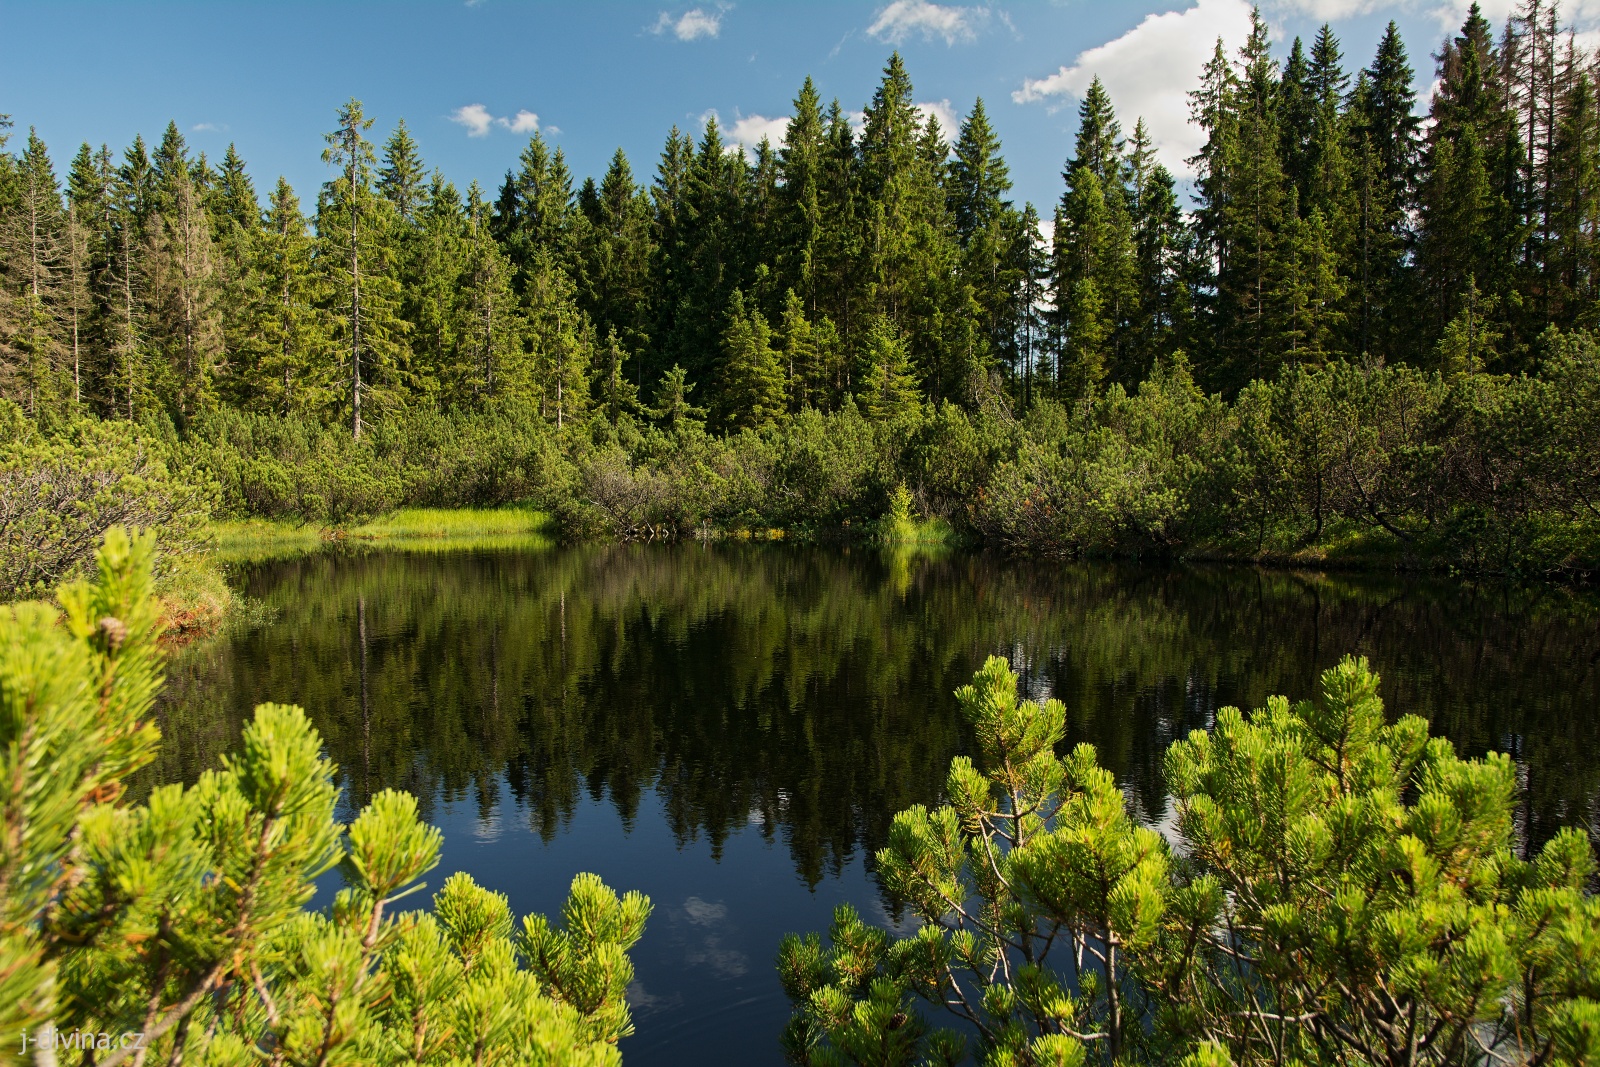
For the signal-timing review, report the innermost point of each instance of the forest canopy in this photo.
(1328, 221)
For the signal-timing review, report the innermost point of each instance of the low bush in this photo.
(60, 493)
(182, 922)
(1336, 888)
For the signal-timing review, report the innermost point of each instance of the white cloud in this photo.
(691, 25)
(747, 131)
(704, 913)
(209, 127)
(949, 123)
(1331, 10)
(522, 122)
(1148, 70)
(903, 18)
(475, 117)
(744, 133)
(479, 121)
(1047, 230)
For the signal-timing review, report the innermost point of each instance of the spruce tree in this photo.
(1572, 259)
(183, 320)
(841, 286)
(431, 264)
(759, 230)
(802, 363)
(1384, 155)
(707, 257)
(1469, 201)
(753, 392)
(801, 222)
(402, 178)
(1307, 290)
(987, 228)
(288, 366)
(134, 201)
(618, 395)
(887, 391)
(1241, 188)
(1030, 260)
(352, 223)
(535, 211)
(890, 176)
(618, 245)
(33, 248)
(234, 198)
(1096, 296)
(1297, 108)
(909, 253)
(1160, 241)
(561, 342)
(1212, 109)
(672, 410)
(670, 219)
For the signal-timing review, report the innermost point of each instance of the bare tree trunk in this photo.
(283, 317)
(188, 296)
(355, 296)
(127, 311)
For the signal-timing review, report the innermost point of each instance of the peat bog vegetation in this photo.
(407, 421)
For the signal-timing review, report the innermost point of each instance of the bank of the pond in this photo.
(198, 599)
(407, 528)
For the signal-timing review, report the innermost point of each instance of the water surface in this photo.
(730, 728)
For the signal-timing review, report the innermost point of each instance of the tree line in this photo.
(1369, 340)
(887, 265)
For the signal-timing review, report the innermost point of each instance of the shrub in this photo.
(1337, 889)
(183, 919)
(60, 494)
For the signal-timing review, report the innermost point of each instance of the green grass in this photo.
(914, 531)
(439, 523)
(410, 529)
(195, 597)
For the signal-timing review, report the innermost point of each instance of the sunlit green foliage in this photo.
(183, 918)
(1337, 888)
(61, 492)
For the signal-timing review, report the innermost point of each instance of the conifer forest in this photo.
(1122, 439)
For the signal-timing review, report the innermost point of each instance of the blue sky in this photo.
(472, 78)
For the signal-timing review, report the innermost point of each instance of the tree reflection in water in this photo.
(807, 692)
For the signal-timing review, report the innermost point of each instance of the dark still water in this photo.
(731, 728)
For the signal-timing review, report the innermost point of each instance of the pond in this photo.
(730, 728)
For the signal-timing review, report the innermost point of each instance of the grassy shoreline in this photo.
(410, 528)
(199, 600)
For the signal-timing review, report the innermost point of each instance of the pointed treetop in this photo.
(979, 177)
(348, 148)
(236, 193)
(1099, 142)
(1328, 81)
(401, 176)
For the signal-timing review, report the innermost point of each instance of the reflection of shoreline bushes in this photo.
(812, 686)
